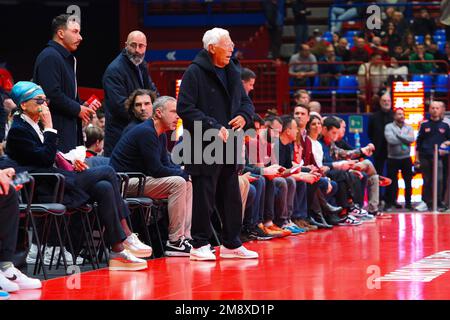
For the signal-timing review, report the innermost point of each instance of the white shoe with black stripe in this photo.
(179, 248)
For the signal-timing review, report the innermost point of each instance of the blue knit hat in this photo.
(24, 91)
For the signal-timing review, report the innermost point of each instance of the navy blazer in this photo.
(121, 78)
(203, 98)
(54, 72)
(25, 148)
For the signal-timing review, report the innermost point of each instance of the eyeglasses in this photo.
(40, 101)
(229, 45)
(135, 45)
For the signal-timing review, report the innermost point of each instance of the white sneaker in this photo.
(7, 285)
(241, 253)
(14, 275)
(422, 207)
(32, 256)
(202, 253)
(125, 261)
(136, 247)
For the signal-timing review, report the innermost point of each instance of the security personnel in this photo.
(432, 132)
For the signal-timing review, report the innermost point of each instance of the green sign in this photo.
(355, 124)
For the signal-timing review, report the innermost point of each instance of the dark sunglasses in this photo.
(41, 101)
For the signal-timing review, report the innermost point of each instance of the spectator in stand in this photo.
(55, 70)
(389, 13)
(302, 97)
(139, 106)
(360, 52)
(399, 137)
(314, 106)
(375, 72)
(300, 23)
(424, 24)
(401, 24)
(396, 72)
(399, 55)
(126, 73)
(409, 43)
(377, 122)
(318, 44)
(343, 53)
(378, 47)
(432, 132)
(248, 80)
(345, 12)
(335, 40)
(438, 67)
(391, 37)
(101, 119)
(420, 66)
(94, 141)
(274, 12)
(330, 71)
(303, 67)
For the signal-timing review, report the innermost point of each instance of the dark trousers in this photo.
(300, 201)
(255, 202)
(344, 190)
(393, 166)
(102, 185)
(426, 165)
(220, 190)
(379, 164)
(9, 225)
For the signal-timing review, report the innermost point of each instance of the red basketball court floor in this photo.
(341, 263)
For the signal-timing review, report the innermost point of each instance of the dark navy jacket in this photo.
(204, 98)
(431, 133)
(54, 72)
(121, 78)
(24, 147)
(141, 150)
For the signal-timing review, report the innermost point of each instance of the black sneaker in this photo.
(179, 248)
(245, 236)
(256, 233)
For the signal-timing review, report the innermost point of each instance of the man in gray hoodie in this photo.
(399, 137)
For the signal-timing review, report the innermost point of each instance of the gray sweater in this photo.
(399, 140)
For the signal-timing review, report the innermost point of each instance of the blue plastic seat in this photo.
(439, 32)
(351, 33)
(442, 84)
(441, 46)
(426, 78)
(347, 85)
(419, 39)
(439, 37)
(327, 34)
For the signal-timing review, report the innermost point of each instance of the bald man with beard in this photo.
(126, 73)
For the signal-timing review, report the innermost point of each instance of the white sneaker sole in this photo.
(233, 256)
(197, 258)
(128, 268)
(30, 286)
(176, 254)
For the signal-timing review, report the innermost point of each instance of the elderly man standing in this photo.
(55, 71)
(212, 97)
(126, 73)
(303, 66)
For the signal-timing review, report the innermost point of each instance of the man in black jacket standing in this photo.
(126, 73)
(212, 97)
(55, 71)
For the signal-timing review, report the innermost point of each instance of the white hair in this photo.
(213, 36)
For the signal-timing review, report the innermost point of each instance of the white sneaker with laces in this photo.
(136, 247)
(422, 207)
(7, 285)
(241, 253)
(25, 283)
(125, 261)
(32, 255)
(202, 253)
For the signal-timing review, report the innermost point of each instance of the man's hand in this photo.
(223, 134)
(80, 166)
(85, 113)
(324, 169)
(6, 176)
(306, 177)
(94, 105)
(237, 123)
(358, 174)
(272, 170)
